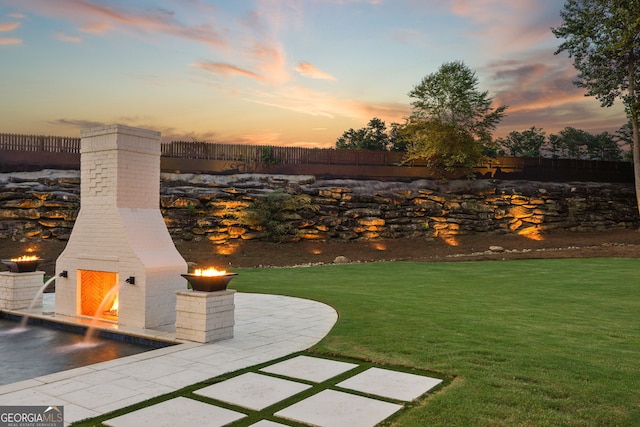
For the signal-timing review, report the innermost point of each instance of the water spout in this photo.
(102, 308)
(25, 318)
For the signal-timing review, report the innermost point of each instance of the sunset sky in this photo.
(277, 72)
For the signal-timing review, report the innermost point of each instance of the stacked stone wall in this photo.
(44, 205)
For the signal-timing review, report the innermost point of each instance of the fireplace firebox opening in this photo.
(98, 294)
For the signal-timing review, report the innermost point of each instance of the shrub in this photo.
(277, 212)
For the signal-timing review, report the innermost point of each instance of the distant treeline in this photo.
(569, 143)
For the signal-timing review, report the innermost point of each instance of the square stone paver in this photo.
(391, 384)
(180, 411)
(267, 423)
(335, 408)
(309, 368)
(253, 391)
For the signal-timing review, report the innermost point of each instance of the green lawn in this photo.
(529, 342)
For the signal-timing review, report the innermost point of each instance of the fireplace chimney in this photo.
(119, 238)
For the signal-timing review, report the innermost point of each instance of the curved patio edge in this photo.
(267, 327)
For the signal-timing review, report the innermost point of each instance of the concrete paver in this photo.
(180, 411)
(253, 391)
(309, 368)
(391, 384)
(266, 423)
(337, 409)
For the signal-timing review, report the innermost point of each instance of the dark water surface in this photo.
(40, 350)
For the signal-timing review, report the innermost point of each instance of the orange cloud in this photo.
(307, 101)
(9, 41)
(97, 28)
(271, 60)
(9, 26)
(255, 42)
(94, 17)
(308, 70)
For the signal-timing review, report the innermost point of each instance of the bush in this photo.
(277, 213)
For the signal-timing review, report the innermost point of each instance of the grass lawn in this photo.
(528, 342)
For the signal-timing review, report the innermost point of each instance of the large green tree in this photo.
(452, 120)
(603, 39)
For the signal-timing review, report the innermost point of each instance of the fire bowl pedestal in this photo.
(18, 290)
(205, 317)
(209, 283)
(22, 266)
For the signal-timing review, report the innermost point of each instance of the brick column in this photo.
(17, 290)
(205, 316)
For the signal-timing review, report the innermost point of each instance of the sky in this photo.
(277, 72)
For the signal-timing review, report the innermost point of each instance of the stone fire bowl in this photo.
(209, 283)
(22, 266)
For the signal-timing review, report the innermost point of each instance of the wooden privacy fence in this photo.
(50, 144)
(266, 154)
(269, 154)
(29, 151)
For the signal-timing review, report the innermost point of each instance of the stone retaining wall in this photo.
(44, 205)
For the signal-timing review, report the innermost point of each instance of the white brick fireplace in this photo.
(120, 235)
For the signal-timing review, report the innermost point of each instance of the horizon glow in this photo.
(276, 72)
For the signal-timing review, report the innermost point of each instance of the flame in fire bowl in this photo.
(23, 264)
(209, 283)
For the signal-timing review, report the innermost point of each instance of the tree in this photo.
(398, 139)
(451, 122)
(555, 146)
(372, 137)
(573, 143)
(603, 38)
(443, 145)
(527, 143)
(603, 146)
(624, 138)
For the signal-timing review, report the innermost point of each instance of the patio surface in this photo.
(268, 327)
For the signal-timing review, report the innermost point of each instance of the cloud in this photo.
(271, 60)
(8, 26)
(66, 38)
(9, 41)
(506, 27)
(78, 124)
(528, 86)
(308, 70)
(315, 103)
(261, 45)
(227, 70)
(93, 16)
(256, 49)
(539, 92)
(257, 52)
(170, 134)
(585, 115)
(97, 28)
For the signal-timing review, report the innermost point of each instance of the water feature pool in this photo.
(45, 349)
